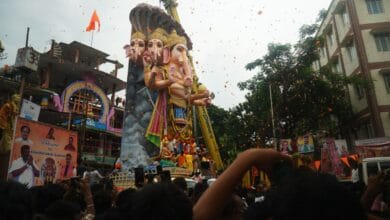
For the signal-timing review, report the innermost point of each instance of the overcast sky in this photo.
(226, 35)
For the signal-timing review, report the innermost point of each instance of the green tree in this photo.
(3, 55)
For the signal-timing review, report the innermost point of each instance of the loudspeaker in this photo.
(139, 176)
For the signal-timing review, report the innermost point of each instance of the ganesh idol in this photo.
(156, 79)
(136, 49)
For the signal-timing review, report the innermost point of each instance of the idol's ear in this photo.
(166, 55)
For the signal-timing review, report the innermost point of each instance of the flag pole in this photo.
(92, 37)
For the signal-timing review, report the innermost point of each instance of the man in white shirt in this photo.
(92, 175)
(23, 169)
(23, 139)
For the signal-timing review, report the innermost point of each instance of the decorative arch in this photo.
(93, 90)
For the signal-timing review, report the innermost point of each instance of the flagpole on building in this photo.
(91, 25)
(92, 37)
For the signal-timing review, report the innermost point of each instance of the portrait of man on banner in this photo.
(341, 147)
(285, 146)
(305, 144)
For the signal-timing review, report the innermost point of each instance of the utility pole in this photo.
(272, 117)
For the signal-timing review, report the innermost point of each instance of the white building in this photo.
(356, 36)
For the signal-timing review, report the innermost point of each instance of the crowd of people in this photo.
(296, 193)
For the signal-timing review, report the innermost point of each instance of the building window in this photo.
(323, 51)
(374, 6)
(351, 51)
(382, 41)
(359, 91)
(386, 78)
(336, 68)
(345, 17)
(370, 130)
(330, 38)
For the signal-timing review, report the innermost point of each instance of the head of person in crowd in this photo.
(63, 210)
(234, 208)
(181, 183)
(161, 201)
(43, 196)
(15, 201)
(199, 189)
(304, 194)
(74, 196)
(112, 214)
(125, 198)
(102, 201)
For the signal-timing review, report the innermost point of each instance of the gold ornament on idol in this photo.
(160, 34)
(174, 39)
(138, 35)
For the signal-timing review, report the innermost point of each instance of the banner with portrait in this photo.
(305, 144)
(42, 153)
(285, 146)
(341, 147)
(330, 159)
(374, 147)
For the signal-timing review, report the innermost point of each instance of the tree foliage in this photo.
(3, 55)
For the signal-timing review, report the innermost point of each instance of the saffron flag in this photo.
(94, 19)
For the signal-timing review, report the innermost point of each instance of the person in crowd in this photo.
(70, 146)
(234, 208)
(181, 183)
(23, 139)
(23, 169)
(197, 176)
(299, 195)
(44, 196)
(15, 202)
(375, 198)
(102, 200)
(124, 200)
(161, 201)
(199, 189)
(63, 210)
(92, 175)
(79, 193)
(181, 160)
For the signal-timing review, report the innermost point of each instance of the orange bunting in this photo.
(354, 156)
(317, 164)
(345, 160)
(94, 19)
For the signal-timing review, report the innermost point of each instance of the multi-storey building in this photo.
(356, 41)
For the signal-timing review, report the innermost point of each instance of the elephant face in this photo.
(155, 49)
(136, 49)
(179, 57)
(179, 54)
